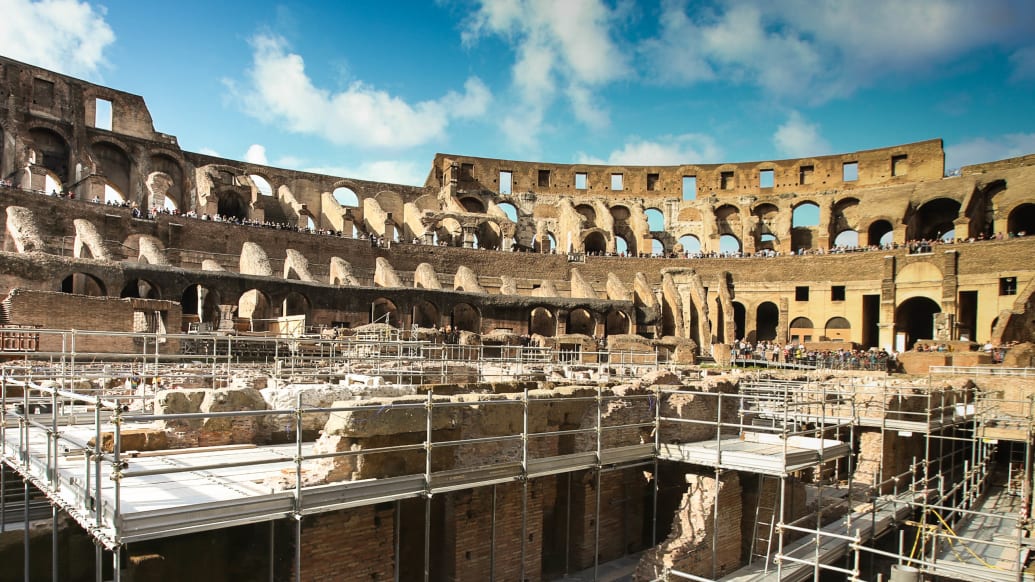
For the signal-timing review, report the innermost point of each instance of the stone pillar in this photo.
(782, 332)
(226, 317)
(389, 229)
(950, 284)
(348, 223)
(468, 236)
(37, 178)
(886, 325)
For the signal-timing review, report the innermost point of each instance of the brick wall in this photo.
(355, 544)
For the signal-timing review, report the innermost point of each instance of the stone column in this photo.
(886, 325)
(226, 317)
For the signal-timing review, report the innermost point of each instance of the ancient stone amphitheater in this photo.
(777, 370)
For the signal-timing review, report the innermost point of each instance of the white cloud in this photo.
(817, 51)
(279, 91)
(256, 154)
(389, 171)
(63, 35)
(983, 149)
(557, 44)
(1023, 61)
(688, 148)
(797, 138)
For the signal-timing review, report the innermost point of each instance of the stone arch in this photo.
(802, 329)
(622, 245)
(729, 243)
(838, 328)
(727, 220)
(880, 232)
(581, 321)
(295, 303)
(655, 219)
(79, 283)
(115, 165)
(510, 210)
(542, 321)
(383, 310)
(767, 320)
(449, 231)
(545, 246)
(803, 225)
(255, 305)
(489, 235)
(200, 304)
(140, 289)
(232, 205)
(53, 151)
(1021, 220)
(473, 204)
(740, 320)
(617, 322)
(465, 317)
(934, 219)
(262, 185)
(690, 244)
(589, 214)
(176, 189)
(392, 203)
(594, 242)
(345, 196)
(425, 314)
(915, 318)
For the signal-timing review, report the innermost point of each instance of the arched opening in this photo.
(802, 329)
(465, 317)
(382, 310)
(488, 235)
(53, 152)
(657, 248)
(844, 216)
(620, 214)
(200, 305)
(739, 320)
(621, 246)
(581, 321)
(114, 164)
(594, 243)
(255, 306)
(691, 244)
(449, 232)
(655, 219)
(510, 210)
(345, 197)
(542, 322)
(804, 219)
(729, 244)
(1022, 220)
(262, 185)
(727, 219)
(766, 242)
(880, 233)
(140, 289)
(767, 317)
(616, 323)
(838, 329)
(425, 314)
(847, 239)
(545, 244)
(83, 284)
(113, 196)
(589, 214)
(914, 318)
(295, 304)
(173, 185)
(232, 206)
(472, 204)
(936, 219)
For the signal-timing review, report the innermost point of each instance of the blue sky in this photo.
(374, 89)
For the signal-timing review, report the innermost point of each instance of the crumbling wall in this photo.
(150, 251)
(466, 280)
(24, 230)
(341, 273)
(212, 431)
(86, 235)
(385, 275)
(695, 529)
(425, 277)
(353, 544)
(254, 261)
(296, 263)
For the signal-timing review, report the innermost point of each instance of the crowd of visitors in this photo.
(796, 353)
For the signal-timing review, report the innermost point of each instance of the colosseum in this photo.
(805, 369)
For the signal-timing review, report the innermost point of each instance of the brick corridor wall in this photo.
(353, 544)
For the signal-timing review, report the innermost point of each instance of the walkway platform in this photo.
(755, 452)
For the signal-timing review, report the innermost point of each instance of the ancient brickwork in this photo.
(339, 545)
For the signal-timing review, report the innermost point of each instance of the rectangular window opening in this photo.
(1008, 285)
(801, 293)
(102, 114)
(726, 181)
(765, 179)
(652, 182)
(43, 92)
(689, 187)
(805, 175)
(544, 178)
(899, 165)
(506, 182)
(837, 293)
(466, 171)
(850, 171)
(617, 182)
(581, 181)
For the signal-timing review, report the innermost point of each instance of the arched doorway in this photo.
(581, 321)
(617, 323)
(767, 317)
(594, 243)
(739, 318)
(140, 289)
(382, 310)
(200, 305)
(542, 322)
(915, 319)
(83, 284)
(465, 317)
(936, 219)
(838, 329)
(802, 329)
(231, 206)
(1022, 220)
(880, 233)
(425, 314)
(295, 304)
